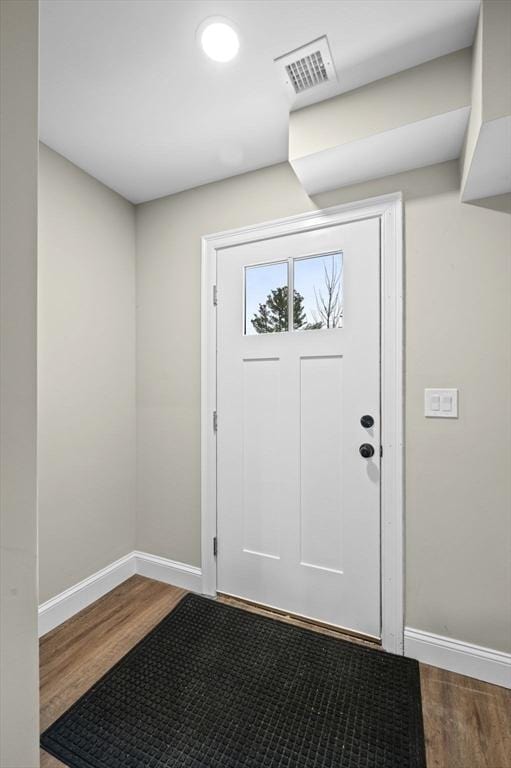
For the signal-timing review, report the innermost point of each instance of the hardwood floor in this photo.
(76, 654)
(467, 723)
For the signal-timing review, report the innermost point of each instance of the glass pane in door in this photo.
(318, 292)
(266, 306)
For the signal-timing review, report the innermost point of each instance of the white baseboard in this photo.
(66, 604)
(169, 571)
(457, 656)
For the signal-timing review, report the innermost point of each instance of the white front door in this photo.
(298, 505)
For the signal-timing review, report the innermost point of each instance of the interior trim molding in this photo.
(169, 571)
(63, 606)
(447, 653)
(58, 609)
(389, 210)
(458, 656)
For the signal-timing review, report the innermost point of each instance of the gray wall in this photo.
(19, 717)
(491, 90)
(458, 307)
(86, 375)
(496, 72)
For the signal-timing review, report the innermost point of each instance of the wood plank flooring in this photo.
(467, 723)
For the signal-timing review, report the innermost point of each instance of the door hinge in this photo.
(215, 296)
(381, 451)
(215, 546)
(215, 421)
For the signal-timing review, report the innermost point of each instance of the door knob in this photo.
(367, 421)
(366, 450)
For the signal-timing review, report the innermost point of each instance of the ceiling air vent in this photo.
(308, 66)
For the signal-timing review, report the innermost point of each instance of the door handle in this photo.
(366, 450)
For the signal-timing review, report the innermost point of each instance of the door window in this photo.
(318, 288)
(317, 295)
(266, 307)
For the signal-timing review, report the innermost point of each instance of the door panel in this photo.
(298, 514)
(262, 448)
(321, 462)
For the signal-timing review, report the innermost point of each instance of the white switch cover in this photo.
(441, 403)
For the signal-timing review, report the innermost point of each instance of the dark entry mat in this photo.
(213, 686)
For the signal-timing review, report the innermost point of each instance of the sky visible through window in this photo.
(317, 279)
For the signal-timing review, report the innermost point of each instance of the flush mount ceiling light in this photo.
(218, 39)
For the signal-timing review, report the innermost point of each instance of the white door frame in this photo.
(388, 208)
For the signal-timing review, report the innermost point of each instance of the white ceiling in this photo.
(128, 96)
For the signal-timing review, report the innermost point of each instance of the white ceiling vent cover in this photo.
(307, 67)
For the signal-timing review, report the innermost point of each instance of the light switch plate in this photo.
(441, 403)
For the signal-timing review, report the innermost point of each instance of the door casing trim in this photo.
(389, 209)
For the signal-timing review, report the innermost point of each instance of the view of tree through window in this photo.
(319, 280)
(317, 295)
(272, 316)
(266, 298)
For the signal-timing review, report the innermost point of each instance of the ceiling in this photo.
(127, 94)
